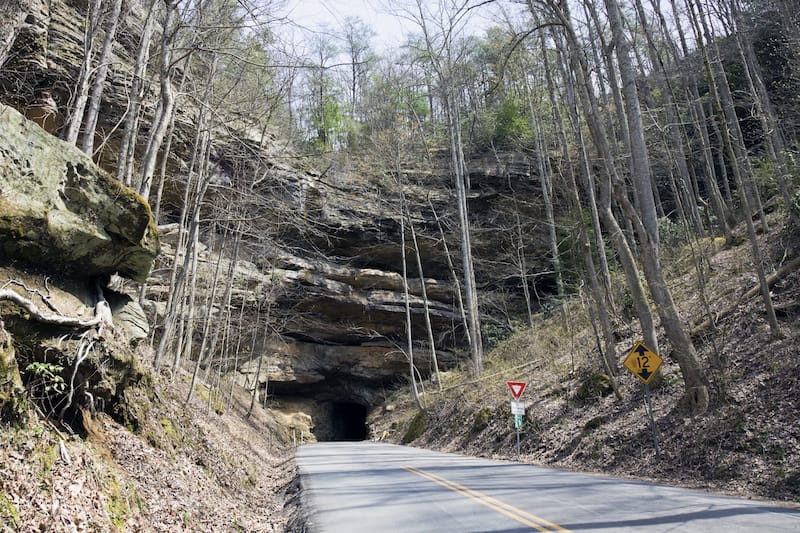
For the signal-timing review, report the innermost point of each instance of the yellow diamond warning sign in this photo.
(643, 362)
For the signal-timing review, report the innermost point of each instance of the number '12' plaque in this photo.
(643, 362)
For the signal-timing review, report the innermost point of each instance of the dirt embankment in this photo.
(201, 467)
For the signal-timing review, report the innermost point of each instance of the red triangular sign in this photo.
(517, 388)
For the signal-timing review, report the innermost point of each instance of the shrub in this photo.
(594, 386)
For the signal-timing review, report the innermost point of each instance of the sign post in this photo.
(644, 363)
(517, 407)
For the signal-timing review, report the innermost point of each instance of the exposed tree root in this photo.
(102, 311)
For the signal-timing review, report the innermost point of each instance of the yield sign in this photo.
(517, 388)
(642, 362)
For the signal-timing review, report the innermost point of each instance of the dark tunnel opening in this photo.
(348, 421)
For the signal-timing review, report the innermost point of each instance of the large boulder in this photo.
(60, 212)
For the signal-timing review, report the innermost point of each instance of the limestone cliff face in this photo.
(339, 299)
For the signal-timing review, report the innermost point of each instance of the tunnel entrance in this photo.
(348, 421)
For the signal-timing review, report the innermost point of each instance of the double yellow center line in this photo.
(523, 517)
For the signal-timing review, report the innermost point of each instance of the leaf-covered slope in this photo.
(748, 442)
(186, 468)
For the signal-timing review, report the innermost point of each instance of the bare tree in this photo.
(81, 93)
(93, 113)
(646, 226)
(732, 139)
(166, 101)
(440, 30)
(127, 147)
(409, 334)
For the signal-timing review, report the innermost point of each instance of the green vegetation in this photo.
(13, 403)
(213, 398)
(169, 429)
(48, 458)
(119, 497)
(45, 378)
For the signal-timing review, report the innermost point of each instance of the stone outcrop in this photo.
(328, 372)
(92, 365)
(59, 211)
(11, 390)
(66, 228)
(337, 324)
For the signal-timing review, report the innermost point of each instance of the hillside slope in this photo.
(747, 444)
(186, 468)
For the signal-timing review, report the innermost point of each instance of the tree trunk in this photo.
(721, 96)
(453, 274)
(605, 212)
(73, 125)
(441, 55)
(470, 292)
(773, 138)
(684, 193)
(424, 290)
(211, 302)
(647, 227)
(192, 198)
(166, 102)
(545, 182)
(608, 351)
(127, 147)
(92, 114)
(572, 113)
(409, 338)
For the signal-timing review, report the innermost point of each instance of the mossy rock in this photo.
(138, 411)
(481, 420)
(416, 428)
(594, 386)
(109, 368)
(61, 212)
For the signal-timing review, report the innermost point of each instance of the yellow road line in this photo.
(523, 517)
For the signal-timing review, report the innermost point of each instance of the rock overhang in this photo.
(59, 211)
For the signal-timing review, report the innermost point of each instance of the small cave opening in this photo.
(348, 421)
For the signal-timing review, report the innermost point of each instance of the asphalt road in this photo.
(365, 487)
